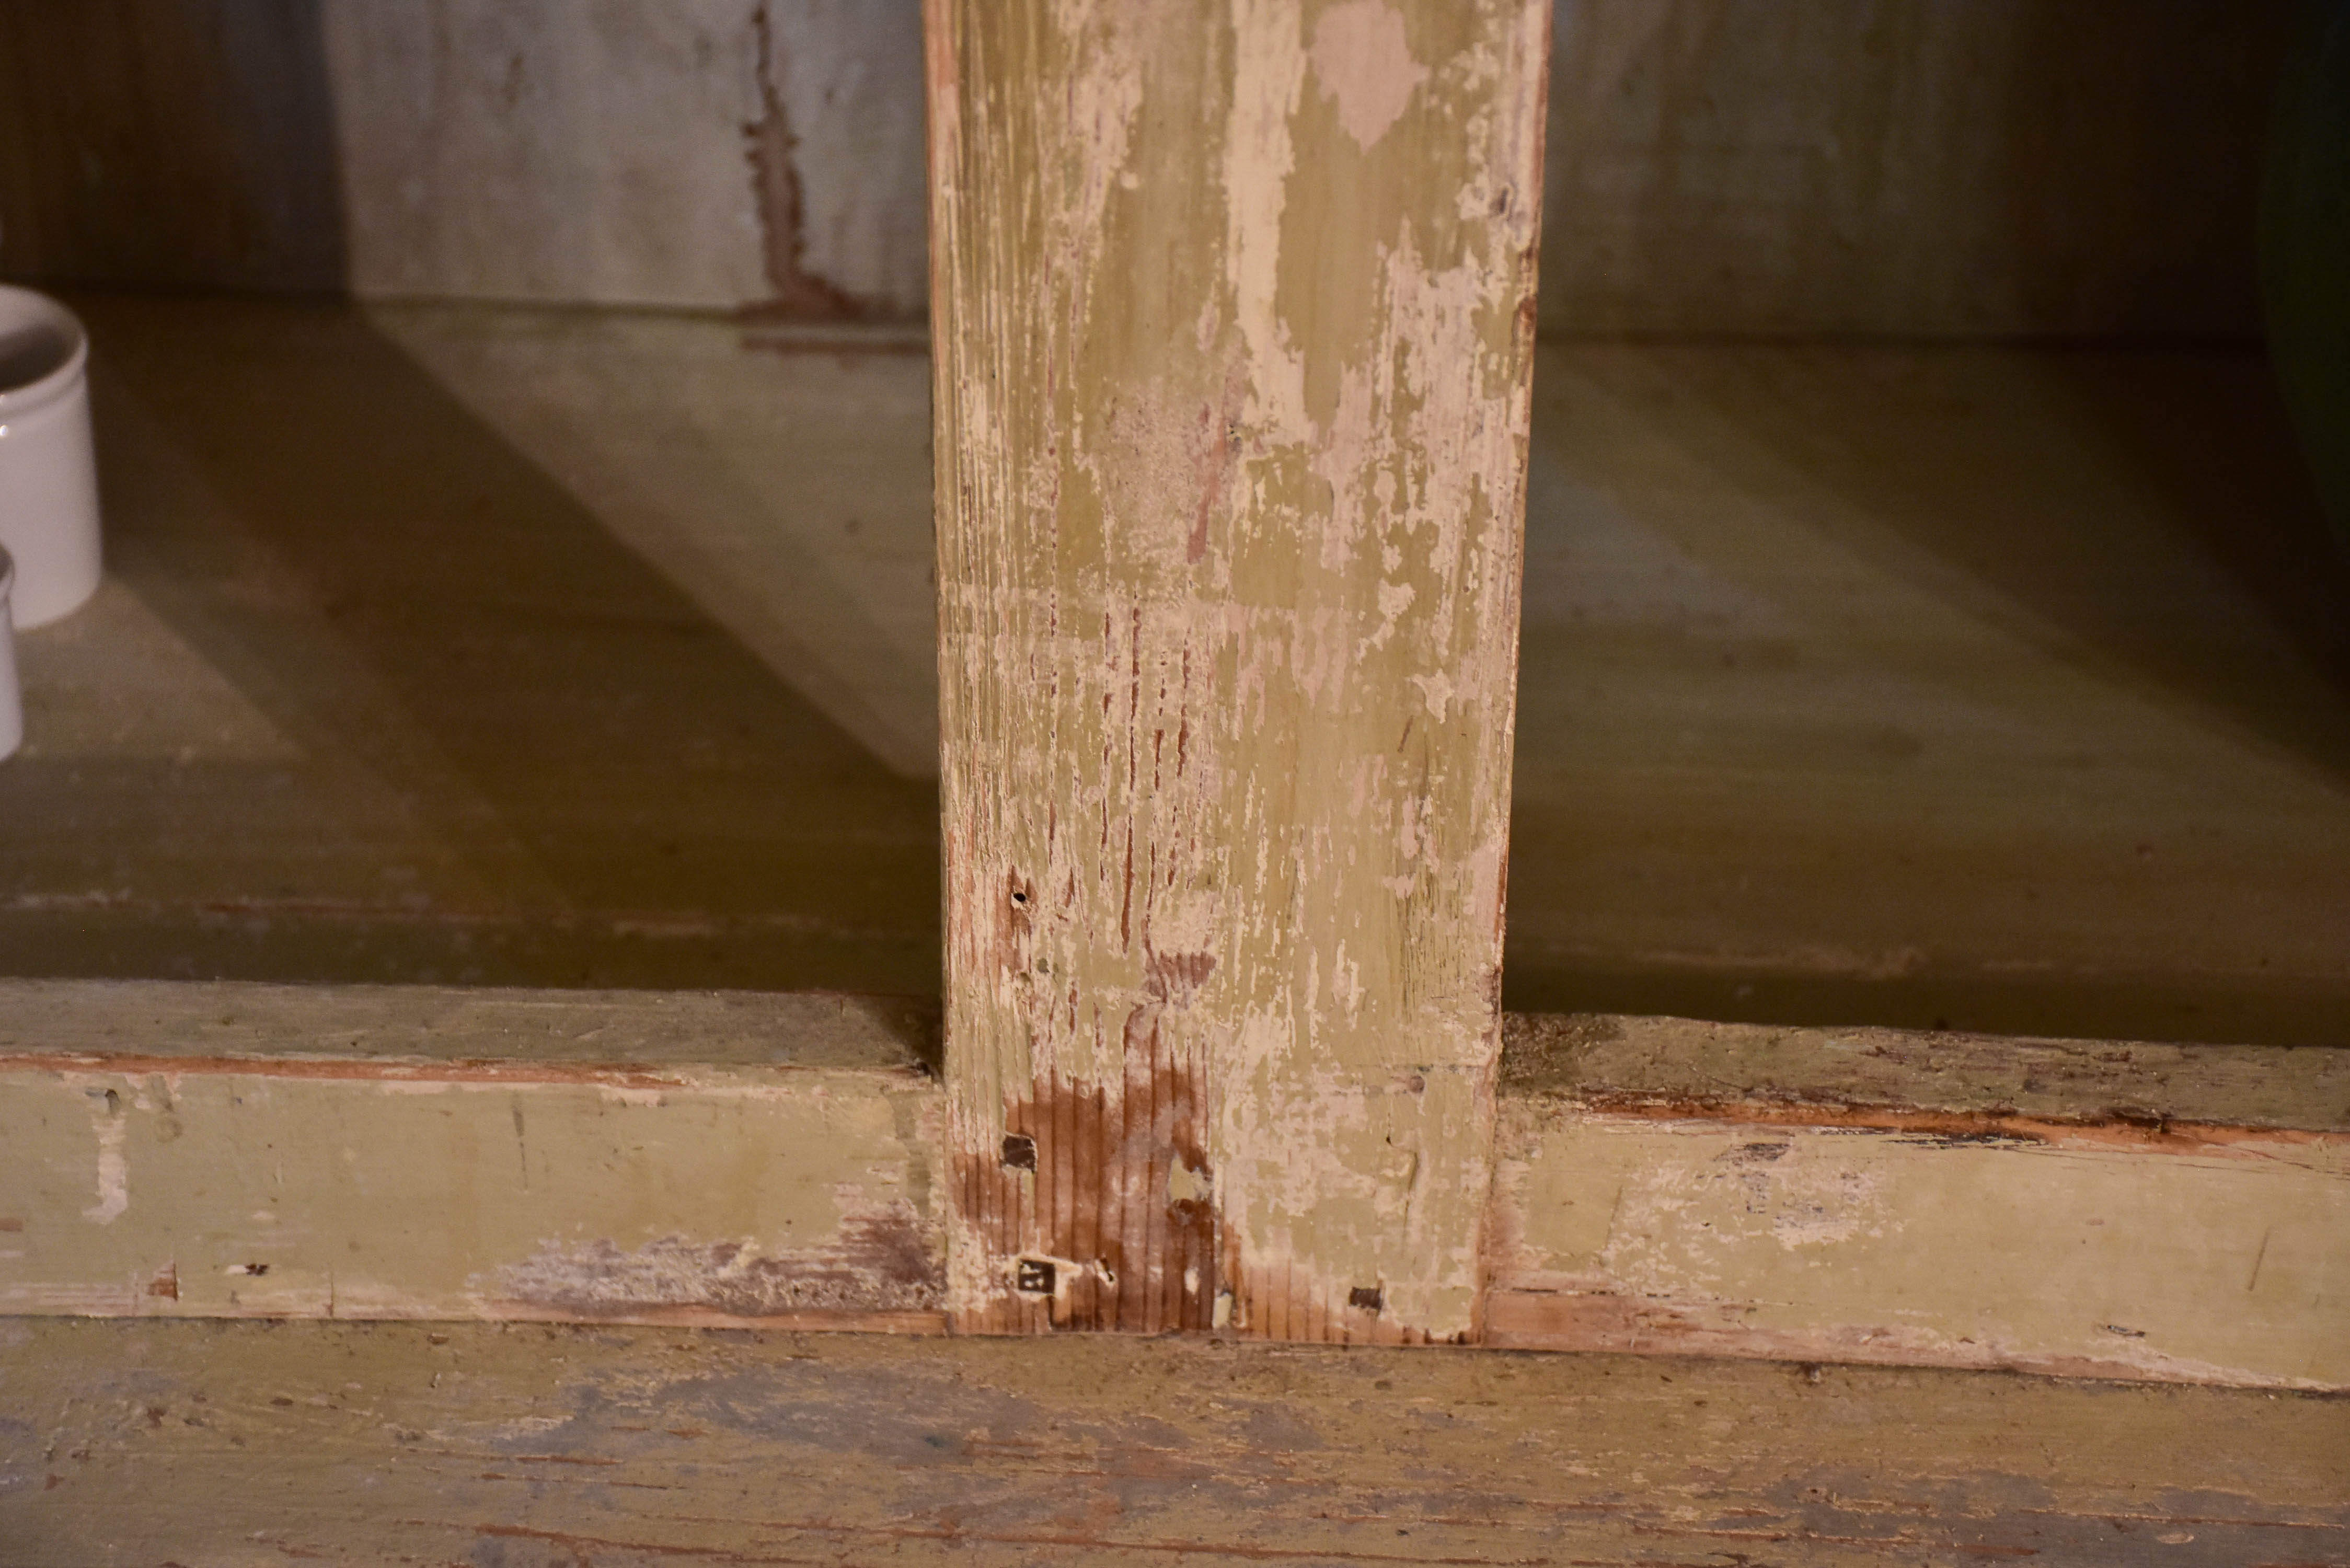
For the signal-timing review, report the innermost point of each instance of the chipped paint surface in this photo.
(2049, 1249)
(254, 1187)
(879, 1261)
(1233, 338)
(2171, 1213)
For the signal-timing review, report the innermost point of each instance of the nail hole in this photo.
(1019, 1152)
(1367, 1297)
(1034, 1277)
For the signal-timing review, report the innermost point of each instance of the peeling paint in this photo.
(1231, 424)
(2077, 1256)
(1362, 59)
(113, 1165)
(881, 1262)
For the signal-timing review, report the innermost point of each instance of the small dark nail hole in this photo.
(1367, 1297)
(1019, 1152)
(1034, 1277)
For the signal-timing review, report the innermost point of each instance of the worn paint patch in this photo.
(1231, 391)
(113, 1172)
(1362, 59)
(733, 1193)
(2213, 1261)
(1098, 1201)
(881, 1262)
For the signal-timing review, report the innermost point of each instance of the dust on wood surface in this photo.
(510, 1028)
(1688, 1067)
(515, 1445)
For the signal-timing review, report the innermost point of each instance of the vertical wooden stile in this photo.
(1234, 308)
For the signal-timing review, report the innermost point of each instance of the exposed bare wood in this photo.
(2084, 1208)
(253, 1151)
(1234, 315)
(154, 1442)
(2047, 1249)
(2078, 1207)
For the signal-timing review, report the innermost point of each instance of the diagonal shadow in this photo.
(2155, 522)
(402, 593)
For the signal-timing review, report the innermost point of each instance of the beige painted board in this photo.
(1234, 323)
(2079, 1251)
(220, 1444)
(2078, 1207)
(224, 1151)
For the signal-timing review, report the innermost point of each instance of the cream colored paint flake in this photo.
(1362, 59)
(113, 1165)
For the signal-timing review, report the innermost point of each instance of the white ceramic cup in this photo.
(48, 480)
(11, 700)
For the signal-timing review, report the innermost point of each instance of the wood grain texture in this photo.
(2084, 1208)
(1234, 323)
(1950, 1242)
(1683, 1066)
(259, 1151)
(2078, 1207)
(1881, 167)
(174, 142)
(512, 1029)
(530, 1447)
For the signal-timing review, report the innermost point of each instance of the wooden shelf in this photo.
(1999, 688)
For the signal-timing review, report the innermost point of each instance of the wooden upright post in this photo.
(1234, 303)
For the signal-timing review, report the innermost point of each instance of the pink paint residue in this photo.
(1362, 59)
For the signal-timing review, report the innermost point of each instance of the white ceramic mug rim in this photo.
(44, 387)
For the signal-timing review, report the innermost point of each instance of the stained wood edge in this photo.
(2180, 1109)
(1930, 1083)
(1953, 1084)
(511, 1034)
(1559, 1323)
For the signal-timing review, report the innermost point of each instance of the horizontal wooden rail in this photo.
(215, 1150)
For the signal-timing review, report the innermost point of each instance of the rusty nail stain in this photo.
(1019, 1152)
(1367, 1297)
